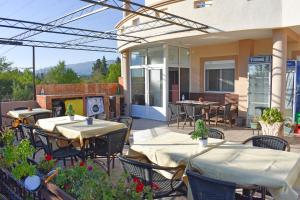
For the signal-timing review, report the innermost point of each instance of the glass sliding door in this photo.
(138, 86)
(184, 82)
(290, 93)
(155, 87)
(147, 93)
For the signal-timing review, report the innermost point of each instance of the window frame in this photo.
(231, 61)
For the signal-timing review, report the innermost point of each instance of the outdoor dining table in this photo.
(278, 171)
(78, 128)
(172, 149)
(21, 114)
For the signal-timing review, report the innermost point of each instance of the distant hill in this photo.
(82, 69)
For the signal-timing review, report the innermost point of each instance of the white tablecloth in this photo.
(242, 164)
(21, 114)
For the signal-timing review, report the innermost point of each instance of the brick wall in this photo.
(80, 88)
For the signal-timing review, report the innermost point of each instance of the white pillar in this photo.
(279, 69)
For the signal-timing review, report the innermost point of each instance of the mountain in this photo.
(82, 69)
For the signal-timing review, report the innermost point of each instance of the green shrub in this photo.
(201, 131)
(271, 116)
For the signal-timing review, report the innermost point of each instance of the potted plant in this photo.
(271, 122)
(254, 123)
(200, 133)
(289, 126)
(70, 112)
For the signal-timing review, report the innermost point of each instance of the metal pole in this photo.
(33, 73)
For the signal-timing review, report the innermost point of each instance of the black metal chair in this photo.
(213, 133)
(109, 146)
(205, 188)
(175, 113)
(193, 113)
(149, 175)
(128, 122)
(27, 131)
(269, 142)
(222, 112)
(52, 146)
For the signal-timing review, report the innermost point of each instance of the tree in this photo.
(99, 71)
(61, 75)
(118, 60)
(4, 64)
(114, 72)
(104, 66)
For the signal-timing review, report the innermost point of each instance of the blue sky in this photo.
(44, 11)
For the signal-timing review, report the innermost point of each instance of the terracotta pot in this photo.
(275, 129)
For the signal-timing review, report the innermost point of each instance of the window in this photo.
(138, 86)
(219, 76)
(155, 55)
(138, 57)
(173, 84)
(173, 55)
(202, 3)
(184, 57)
(155, 87)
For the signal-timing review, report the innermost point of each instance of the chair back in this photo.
(204, 188)
(27, 132)
(189, 110)
(215, 133)
(111, 143)
(173, 108)
(137, 169)
(227, 109)
(269, 142)
(45, 139)
(21, 108)
(116, 140)
(128, 122)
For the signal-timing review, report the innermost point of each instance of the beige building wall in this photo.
(240, 51)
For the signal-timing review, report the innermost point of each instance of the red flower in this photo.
(136, 180)
(48, 157)
(155, 186)
(67, 186)
(81, 164)
(139, 187)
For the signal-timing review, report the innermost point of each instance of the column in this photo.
(279, 69)
(126, 80)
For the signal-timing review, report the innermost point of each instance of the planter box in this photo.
(15, 189)
(275, 129)
(57, 193)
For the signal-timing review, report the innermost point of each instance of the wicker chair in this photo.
(205, 188)
(109, 145)
(128, 122)
(269, 142)
(149, 175)
(174, 113)
(213, 133)
(52, 146)
(193, 113)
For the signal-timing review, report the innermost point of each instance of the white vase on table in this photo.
(203, 142)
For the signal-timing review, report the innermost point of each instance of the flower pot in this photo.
(254, 125)
(71, 117)
(275, 129)
(203, 142)
(89, 121)
(32, 183)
